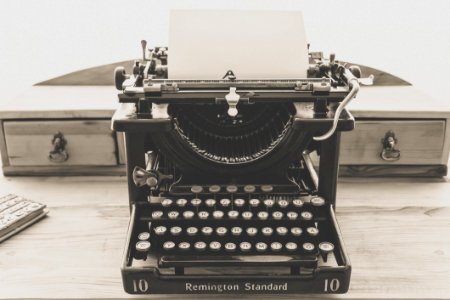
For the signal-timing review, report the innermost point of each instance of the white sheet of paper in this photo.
(205, 44)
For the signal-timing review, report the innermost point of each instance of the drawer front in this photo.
(419, 142)
(85, 142)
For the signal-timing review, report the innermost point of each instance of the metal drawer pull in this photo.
(389, 153)
(58, 154)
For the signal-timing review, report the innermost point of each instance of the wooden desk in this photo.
(396, 233)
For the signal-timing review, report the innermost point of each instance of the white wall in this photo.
(44, 39)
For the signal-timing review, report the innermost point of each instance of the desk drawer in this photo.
(419, 142)
(84, 143)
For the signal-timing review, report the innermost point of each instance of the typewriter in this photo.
(224, 197)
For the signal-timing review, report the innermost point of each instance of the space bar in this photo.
(185, 261)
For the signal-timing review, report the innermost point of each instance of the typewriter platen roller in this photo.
(223, 195)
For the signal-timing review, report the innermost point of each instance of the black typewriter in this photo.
(224, 197)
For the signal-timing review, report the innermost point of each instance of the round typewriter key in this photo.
(306, 215)
(184, 246)
(169, 245)
(157, 214)
(207, 230)
(188, 214)
(266, 188)
(325, 248)
(182, 202)
(144, 236)
(191, 231)
(308, 247)
(249, 189)
(196, 202)
(143, 246)
(267, 231)
(230, 247)
(214, 189)
(292, 215)
(252, 231)
(277, 215)
(263, 215)
(317, 201)
(245, 246)
(291, 246)
(160, 230)
(233, 214)
(312, 231)
(296, 231)
(269, 202)
(225, 202)
(232, 189)
(282, 230)
(215, 246)
(167, 202)
(261, 247)
(297, 202)
(210, 202)
(173, 214)
(247, 215)
(200, 246)
(254, 202)
(239, 202)
(218, 214)
(283, 203)
(176, 230)
(236, 231)
(276, 246)
(203, 215)
(221, 231)
(196, 189)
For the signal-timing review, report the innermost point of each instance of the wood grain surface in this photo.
(396, 234)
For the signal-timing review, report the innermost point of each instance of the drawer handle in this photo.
(58, 154)
(389, 152)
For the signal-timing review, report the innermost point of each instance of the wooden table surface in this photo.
(396, 232)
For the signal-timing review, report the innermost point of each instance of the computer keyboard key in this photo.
(192, 231)
(157, 214)
(291, 246)
(214, 189)
(292, 215)
(182, 202)
(200, 246)
(215, 246)
(277, 215)
(176, 230)
(230, 247)
(317, 201)
(308, 247)
(247, 215)
(196, 189)
(188, 214)
(269, 203)
(306, 215)
(232, 189)
(325, 248)
(261, 247)
(225, 202)
(236, 231)
(263, 215)
(173, 215)
(144, 236)
(267, 231)
(283, 203)
(169, 245)
(184, 246)
(167, 202)
(218, 214)
(249, 189)
(297, 202)
(296, 231)
(312, 231)
(282, 230)
(143, 246)
(210, 202)
(254, 202)
(276, 246)
(233, 214)
(239, 202)
(196, 202)
(160, 230)
(221, 231)
(203, 215)
(207, 230)
(245, 246)
(252, 231)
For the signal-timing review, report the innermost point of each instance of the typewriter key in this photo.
(221, 231)
(317, 201)
(312, 231)
(291, 246)
(277, 215)
(215, 246)
(245, 246)
(276, 246)
(292, 215)
(247, 215)
(239, 202)
(160, 230)
(196, 189)
(210, 202)
(207, 230)
(230, 247)
(173, 214)
(297, 202)
(261, 247)
(191, 231)
(325, 248)
(157, 214)
(306, 215)
(308, 247)
(144, 236)
(269, 202)
(181, 202)
(218, 214)
(266, 188)
(176, 230)
(203, 215)
(296, 231)
(254, 202)
(282, 230)
(166, 202)
(184, 246)
(263, 215)
(196, 202)
(283, 203)
(236, 231)
(252, 231)
(200, 246)
(214, 189)
(188, 214)
(233, 214)
(232, 189)
(143, 246)
(249, 189)
(225, 202)
(169, 245)
(267, 231)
